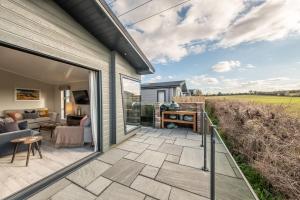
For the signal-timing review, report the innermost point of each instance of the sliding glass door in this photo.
(131, 90)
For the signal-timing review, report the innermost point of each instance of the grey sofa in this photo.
(35, 123)
(6, 147)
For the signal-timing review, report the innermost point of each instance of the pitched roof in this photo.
(97, 18)
(170, 84)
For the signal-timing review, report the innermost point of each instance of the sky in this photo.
(217, 46)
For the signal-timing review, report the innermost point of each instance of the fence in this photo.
(189, 99)
(210, 139)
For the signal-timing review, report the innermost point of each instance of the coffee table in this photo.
(31, 141)
(49, 126)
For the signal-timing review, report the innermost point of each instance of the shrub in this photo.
(267, 137)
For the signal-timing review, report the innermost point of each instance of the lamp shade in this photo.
(69, 108)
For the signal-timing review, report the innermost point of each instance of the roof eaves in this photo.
(103, 5)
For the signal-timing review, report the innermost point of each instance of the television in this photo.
(81, 97)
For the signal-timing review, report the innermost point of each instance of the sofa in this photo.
(34, 123)
(7, 148)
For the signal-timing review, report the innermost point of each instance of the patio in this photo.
(153, 164)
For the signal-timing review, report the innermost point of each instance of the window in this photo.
(161, 96)
(131, 103)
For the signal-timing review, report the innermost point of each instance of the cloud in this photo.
(214, 85)
(269, 21)
(225, 66)
(155, 79)
(198, 81)
(249, 66)
(169, 37)
(172, 35)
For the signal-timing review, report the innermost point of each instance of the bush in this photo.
(267, 137)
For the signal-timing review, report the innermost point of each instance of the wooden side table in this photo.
(48, 127)
(31, 141)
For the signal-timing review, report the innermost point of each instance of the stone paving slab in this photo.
(168, 141)
(152, 158)
(187, 142)
(187, 178)
(89, 172)
(51, 190)
(132, 146)
(172, 158)
(119, 192)
(132, 156)
(170, 149)
(113, 156)
(177, 194)
(73, 192)
(151, 187)
(153, 147)
(154, 141)
(124, 171)
(192, 157)
(222, 165)
(150, 171)
(98, 185)
(228, 188)
(194, 136)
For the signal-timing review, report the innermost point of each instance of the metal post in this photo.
(212, 164)
(202, 128)
(205, 143)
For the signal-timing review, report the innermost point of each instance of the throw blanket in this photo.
(68, 136)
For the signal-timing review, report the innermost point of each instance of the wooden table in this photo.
(31, 141)
(49, 126)
(190, 113)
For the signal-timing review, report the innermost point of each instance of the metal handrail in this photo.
(215, 134)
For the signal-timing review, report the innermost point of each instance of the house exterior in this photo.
(162, 91)
(87, 35)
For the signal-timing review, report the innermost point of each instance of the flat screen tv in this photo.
(81, 97)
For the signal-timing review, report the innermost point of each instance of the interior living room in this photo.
(45, 118)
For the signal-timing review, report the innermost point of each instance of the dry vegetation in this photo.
(267, 137)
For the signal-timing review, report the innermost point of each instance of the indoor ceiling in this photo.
(39, 68)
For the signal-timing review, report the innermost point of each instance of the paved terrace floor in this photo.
(153, 164)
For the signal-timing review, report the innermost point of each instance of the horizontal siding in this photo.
(44, 27)
(149, 96)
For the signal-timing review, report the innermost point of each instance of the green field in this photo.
(292, 103)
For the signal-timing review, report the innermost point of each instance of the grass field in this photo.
(292, 103)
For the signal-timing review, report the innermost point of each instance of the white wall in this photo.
(10, 81)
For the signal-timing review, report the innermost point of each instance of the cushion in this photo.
(15, 115)
(31, 115)
(43, 112)
(23, 125)
(29, 111)
(2, 127)
(12, 126)
(87, 122)
(8, 120)
(83, 120)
